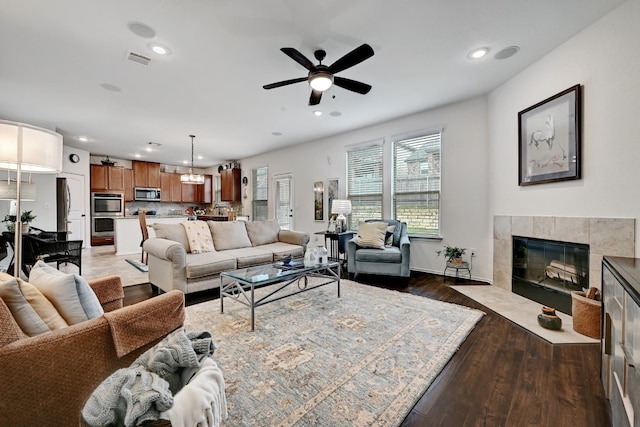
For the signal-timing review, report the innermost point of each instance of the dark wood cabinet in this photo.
(176, 188)
(107, 178)
(146, 174)
(165, 186)
(189, 192)
(205, 194)
(230, 185)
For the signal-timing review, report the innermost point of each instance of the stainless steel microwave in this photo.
(147, 194)
(107, 204)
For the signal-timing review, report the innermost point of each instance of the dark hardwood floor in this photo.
(502, 375)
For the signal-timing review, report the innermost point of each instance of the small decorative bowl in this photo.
(286, 259)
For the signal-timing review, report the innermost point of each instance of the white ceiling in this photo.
(56, 54)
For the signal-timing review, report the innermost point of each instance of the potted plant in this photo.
(25, 218)
(453, 254)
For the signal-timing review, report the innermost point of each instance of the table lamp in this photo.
(341, 207)
(30, 149)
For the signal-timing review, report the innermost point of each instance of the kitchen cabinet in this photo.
(205, 191)
(620, 343)
(230, 185)
(128, 185)
(189, 192)
(146, 174)
(107, 178)
(176, 188)
(165, 186)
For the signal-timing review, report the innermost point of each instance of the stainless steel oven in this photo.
(104, 208)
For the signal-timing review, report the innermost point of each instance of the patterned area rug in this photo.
(316, 359)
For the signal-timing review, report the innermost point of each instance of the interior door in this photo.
(284, 201)
(76, 217)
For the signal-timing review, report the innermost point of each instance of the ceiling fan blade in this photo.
(352, 85)
(299, 58)
(352, 58)
(315, 97)
(285, 82)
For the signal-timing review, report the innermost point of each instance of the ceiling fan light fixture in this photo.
(191, 178)
(321, 81)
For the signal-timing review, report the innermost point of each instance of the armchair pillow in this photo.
(70, 294)
(24, 315)
(372, 235)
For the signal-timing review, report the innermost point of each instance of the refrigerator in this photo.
(63, 204)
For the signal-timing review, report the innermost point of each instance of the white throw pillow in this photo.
(70, 294)
(371, 234)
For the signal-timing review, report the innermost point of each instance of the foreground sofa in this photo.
(46, 379)
(236, 244)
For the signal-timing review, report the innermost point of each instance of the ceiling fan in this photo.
(321, 77)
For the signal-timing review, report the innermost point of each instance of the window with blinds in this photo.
(364, 183)
(416, 183)
(260, 185)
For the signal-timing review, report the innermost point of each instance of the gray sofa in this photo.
(238, 244)
(393, 260)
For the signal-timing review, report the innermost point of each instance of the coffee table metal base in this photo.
(243, 291)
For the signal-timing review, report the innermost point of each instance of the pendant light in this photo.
(191, 178)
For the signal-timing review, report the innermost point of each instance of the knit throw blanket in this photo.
(199, 236)
(141, 392)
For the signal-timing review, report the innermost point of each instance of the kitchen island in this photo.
(128, 234)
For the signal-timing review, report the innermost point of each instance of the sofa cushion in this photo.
(281, 249)
(42, 306)
(24, 315)
(199, 236)
(246, 257)
(208, 264)
(229, 235)
(173, 232)
(390, 254)
(262, 232)
(371, 234)
(70, 294)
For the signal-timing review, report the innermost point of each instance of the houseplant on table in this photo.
(25, 218)
(453, 254)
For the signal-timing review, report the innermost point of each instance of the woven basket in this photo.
(586, 314)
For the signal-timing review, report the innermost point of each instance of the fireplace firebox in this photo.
(546, 271)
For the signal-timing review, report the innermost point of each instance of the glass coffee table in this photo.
(287, 280)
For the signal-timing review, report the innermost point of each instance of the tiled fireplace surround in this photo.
(605, 236)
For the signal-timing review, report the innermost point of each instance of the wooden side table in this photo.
(464, 265)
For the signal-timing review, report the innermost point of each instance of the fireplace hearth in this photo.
(546, 271)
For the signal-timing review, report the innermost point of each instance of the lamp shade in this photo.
(31, 148)
(339, 206)
(9, 191)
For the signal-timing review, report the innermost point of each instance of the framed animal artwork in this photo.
(550, 139)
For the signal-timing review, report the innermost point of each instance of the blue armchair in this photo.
(391, 261)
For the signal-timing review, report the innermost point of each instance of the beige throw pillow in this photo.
(42, 306)
(229, 235)
(24, 315)
(199, 236)
(371, 234)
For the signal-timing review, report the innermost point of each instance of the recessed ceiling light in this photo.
(186, 162)
(335, 114)
(317, 113)
(478, 53)
(276, 133)
(199, 157)
(148, 149)
(160, 49)
(137, 156)
(83, 138)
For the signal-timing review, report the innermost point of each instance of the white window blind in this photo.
(364, 183)
(416, 183)
(260, 185)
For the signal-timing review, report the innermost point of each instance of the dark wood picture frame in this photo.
(550, 139)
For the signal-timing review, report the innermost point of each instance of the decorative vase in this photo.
(322, 256)
(548, 319)
(310, 257)
(457, 261)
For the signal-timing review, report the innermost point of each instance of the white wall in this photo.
(465, 220)
(604, 59)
